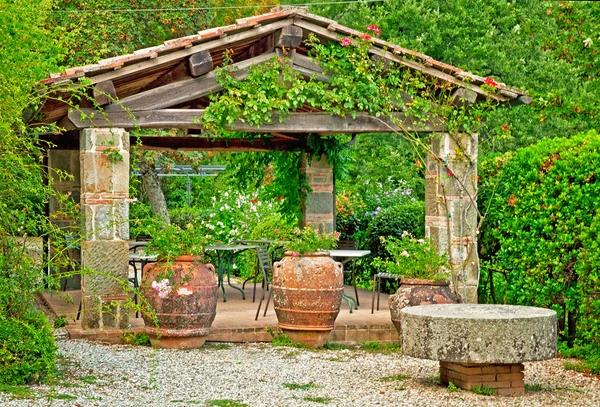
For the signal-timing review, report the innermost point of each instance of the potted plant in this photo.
(424, 273)
(178, 287)
(307, 286)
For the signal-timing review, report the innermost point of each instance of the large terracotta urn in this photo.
(307, 293)
(415, 291)
(184, 316)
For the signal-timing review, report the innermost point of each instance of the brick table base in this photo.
(507, 379)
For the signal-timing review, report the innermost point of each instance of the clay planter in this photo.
(414, 291)
(186, 314)
(307, 293)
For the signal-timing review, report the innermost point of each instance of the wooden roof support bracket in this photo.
(200, 63)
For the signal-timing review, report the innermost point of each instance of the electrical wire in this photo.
(154, 10)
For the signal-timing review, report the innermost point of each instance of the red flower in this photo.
(375, 29)
(490, 82)
(346, 41)
(254, 200)
(449, 173)
(504, 127)
(365, 37)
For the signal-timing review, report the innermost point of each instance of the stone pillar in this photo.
(319, 208)
(451, 207)
(65, 161)
(104, 159)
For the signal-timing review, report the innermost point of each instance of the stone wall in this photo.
(451, 207)
(319, 208)
(104, 155)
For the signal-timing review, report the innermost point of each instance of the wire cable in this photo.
(154, 10)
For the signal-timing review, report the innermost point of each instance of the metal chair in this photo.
(265, 265)
(377, 285)
(350, 245)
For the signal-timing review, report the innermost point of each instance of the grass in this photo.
(398, 377)
(322, 400)
(297, 386)
(217, 346)
(225, 403)
(278, 338)
(18, 392)
(59, 396)
(376, 347)
(89, 379)
(452, 388)
(536, 387)
(484, 391)
(576, 366)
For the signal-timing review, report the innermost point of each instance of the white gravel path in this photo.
(123, 376)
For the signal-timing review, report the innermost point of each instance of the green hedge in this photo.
(540, 241)
(27, 349)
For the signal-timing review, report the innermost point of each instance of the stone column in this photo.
(319, 208)
(66, 161)
(451, 207)
(104, 159)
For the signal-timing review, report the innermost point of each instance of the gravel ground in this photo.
(260, 375)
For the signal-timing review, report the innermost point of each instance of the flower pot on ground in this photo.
(307, 287)
(184, 305)
(424, 274)
(180, 290)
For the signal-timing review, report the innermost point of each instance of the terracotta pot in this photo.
(307, 293)
(414, 291)
(186, 314)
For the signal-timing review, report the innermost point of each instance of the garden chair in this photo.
(265, 265)
(350, 245)
(377, 286)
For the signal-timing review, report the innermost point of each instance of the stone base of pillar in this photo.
(104, 312)
(505, 379)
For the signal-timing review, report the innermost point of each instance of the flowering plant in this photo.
(309, 240)
(170, 241)
(412, 258)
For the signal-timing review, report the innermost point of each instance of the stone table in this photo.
(480, 345)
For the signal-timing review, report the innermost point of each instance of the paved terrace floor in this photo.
(235, 320)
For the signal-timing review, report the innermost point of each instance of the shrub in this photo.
(27, 350)
(540, 236)
(394, 221)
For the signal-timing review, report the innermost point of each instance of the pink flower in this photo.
(449, 173)
(346, 41)
(490, 82)
(375, 29)
(365, 37)
(295, 254)
(163, 288)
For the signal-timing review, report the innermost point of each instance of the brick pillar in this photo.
(66, 161)
(104, 159)
(505, 379)
(451, 207)
(319, 209)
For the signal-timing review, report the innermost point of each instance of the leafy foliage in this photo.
(412, 258)
(171, 241)
(540, 241)
(308, 240)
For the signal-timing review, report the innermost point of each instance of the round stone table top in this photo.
(479, 333)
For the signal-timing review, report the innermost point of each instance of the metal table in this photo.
(143, 259)
(346, 255)
(225, 255)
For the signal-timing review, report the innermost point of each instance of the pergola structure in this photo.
(167, 87)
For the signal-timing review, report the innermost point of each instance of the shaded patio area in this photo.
(235, 322)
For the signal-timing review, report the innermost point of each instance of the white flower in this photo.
(421, 241)
(405, 254)
(588, 42)
(405, 233)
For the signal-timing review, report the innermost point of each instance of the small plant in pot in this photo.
(180, 289)
(308, 286)
(424, 273)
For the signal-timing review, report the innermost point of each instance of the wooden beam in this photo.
(417, 66)
(104, 92)
(184, 53)
(182, 91)
(296, 123)
(289, 37)
(463, 97)
(70, 141)
(200, 63)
